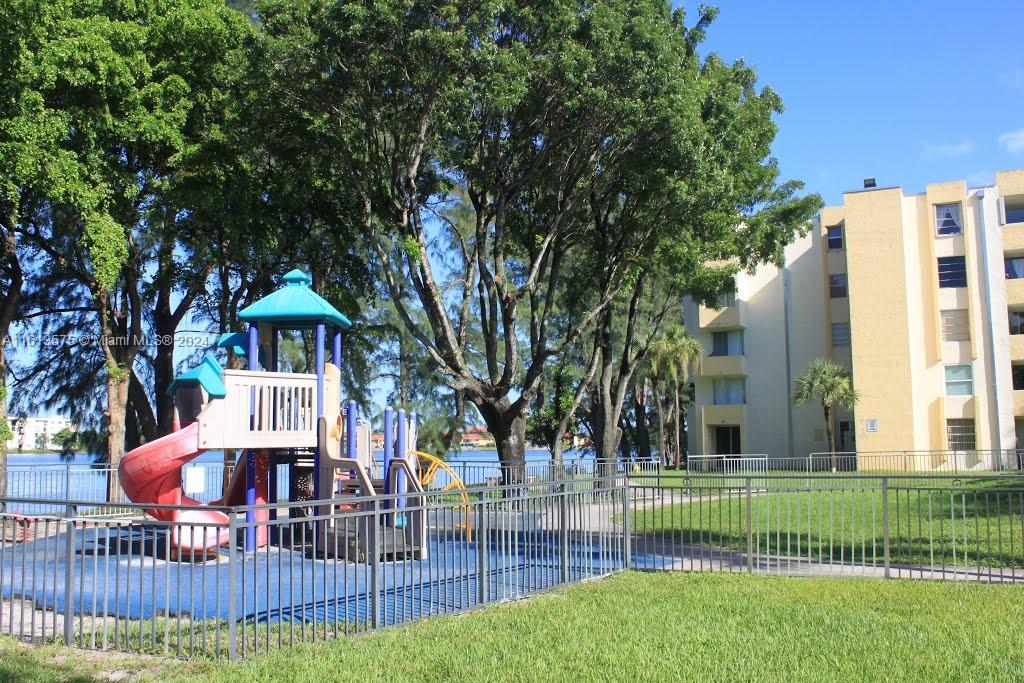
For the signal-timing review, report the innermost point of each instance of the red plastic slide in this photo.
(151, 473)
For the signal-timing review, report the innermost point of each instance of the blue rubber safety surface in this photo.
(123, 572)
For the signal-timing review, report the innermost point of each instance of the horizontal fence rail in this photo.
(113, 580)
(929, 527)
(862, 461)
(107, 576)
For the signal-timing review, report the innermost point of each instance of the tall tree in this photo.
(36, 168)
(672, 357)
(832, 385)
(135, 87)
(541, 115)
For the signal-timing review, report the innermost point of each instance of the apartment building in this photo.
(36, 433)
(920, 295)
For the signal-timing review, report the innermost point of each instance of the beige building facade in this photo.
(921, 296)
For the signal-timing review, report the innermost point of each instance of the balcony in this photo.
(725, 366)
(730, 317)
(1015, 292)
(1013, 236)
(1017, 347)
(958, 407)
(724, 415)
(1018, 403)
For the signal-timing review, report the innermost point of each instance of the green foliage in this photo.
(5, 425)
(827, 381)
(103, 237)
(67, 441)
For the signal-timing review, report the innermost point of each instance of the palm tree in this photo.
(832, 384)
(670, 359)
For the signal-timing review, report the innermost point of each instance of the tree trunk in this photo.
(508, 427)
(5, 429)
(677, 421)
(117, 405)
(662, 440)
(8, 310)
(830, 436)
(643, 434)
(163, 372)
(141, 409)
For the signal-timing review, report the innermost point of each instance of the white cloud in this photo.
(948, 149)
(1013, 141)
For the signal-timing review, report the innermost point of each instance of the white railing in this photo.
(977, 460)
(734, 463)
(852, 461)
(261, 410)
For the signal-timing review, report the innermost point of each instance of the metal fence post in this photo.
(627, 524)
(885, 524)
(375, 568)
(232, 584)
(563, 534)
(67, 489)
(483, 580)
(750, 527)
(69, 572)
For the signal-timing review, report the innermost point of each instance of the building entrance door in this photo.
(727, 440)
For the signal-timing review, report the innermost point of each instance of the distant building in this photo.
(36, 433)
(477, 437)
(920, 295)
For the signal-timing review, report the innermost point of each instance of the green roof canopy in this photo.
(208, 375)
(294, 306)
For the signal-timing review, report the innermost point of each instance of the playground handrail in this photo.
(261, 410)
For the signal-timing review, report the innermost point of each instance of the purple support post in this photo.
(336, 348)
(250, 456)
(402, 485)
(414, 433)
(389, 442)
(321, 340)
(350, 430)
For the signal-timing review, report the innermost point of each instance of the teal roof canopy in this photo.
(208, 375)
(236, 341)
(294, 306)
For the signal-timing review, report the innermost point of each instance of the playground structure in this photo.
(272, 418)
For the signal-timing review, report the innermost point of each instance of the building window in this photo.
(1012, 209)
(952, 271)
(835, 237)
(727, 297)
(1016, 322)
(727, 343)
(955, 325)
(837, 286)
(948, 220)
(960, 434)
(729, 391)
(840, 335)
(846, 435)
(1014, 267)
(1017, 370)
(959, 380)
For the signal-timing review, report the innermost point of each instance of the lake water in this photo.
(483, 456)
(49, 476)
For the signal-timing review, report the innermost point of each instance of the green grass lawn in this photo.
(644, 626)
(931, 522)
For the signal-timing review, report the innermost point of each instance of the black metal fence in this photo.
(324, 569)
(114, 579)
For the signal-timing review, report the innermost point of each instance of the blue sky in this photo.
(908, 92)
